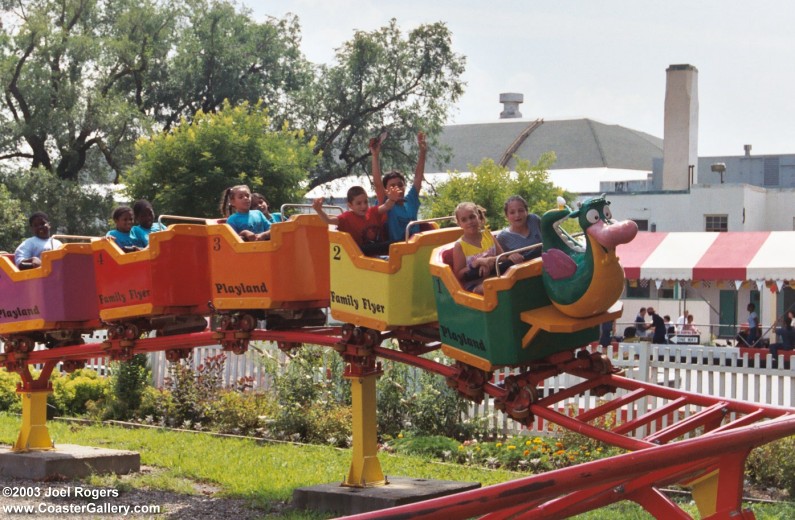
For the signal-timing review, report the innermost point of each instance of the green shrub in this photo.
(519, 453)
(9, 398)
(128, 379)
(421, 402)
(394, 400)
(157, 405)
(571, 438)
(435, 446)
(194, 391)
(303, 389)
(292, 421)
(330, 425)
(73, 393)
(773, 465)
(241, 413)
(194, 398)
(79, 393)
(439, 410)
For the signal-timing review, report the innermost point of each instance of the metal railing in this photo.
(423, 221)
(509, 253)
(307, 209)
(708, 333)
(74, 238)
(195, 220)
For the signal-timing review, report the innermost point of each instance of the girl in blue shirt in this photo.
(123, 218)
(145, 217)
(524, 229)
(249, 223)
(258, 201)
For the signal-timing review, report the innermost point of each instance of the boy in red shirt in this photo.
(363, 222)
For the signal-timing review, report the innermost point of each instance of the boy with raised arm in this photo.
(393, 188)
(362, 221)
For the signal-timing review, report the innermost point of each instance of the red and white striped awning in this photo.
(761, 256)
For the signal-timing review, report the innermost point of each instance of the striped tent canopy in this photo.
(760, 256)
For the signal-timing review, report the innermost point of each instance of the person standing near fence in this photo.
(689, 328)
(681, 321)
(607, 331)
(753, 324)
(787, 334)
(641, 327)
(659, 326)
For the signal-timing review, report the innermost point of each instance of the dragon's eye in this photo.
(608, 213)
(592, 216)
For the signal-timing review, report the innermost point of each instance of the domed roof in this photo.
(577, 143)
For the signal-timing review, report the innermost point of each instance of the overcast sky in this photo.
(604, 59)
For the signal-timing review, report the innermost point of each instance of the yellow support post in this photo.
(34, 434)
(365, 467)
(705, 493)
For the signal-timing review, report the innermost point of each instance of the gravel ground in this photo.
(176, 506)
(172, 505)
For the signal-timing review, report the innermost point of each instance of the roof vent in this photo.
(747, 148)
(510, 102)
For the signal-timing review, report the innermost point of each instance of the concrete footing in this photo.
(67, 461)
(351, 500)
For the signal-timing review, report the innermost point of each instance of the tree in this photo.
(83, 79)
(66, 66)
(129, 379)
(73, 209)
(184, 171)
(382, 81)
(12, 227)
(490, 185)
(222, 54)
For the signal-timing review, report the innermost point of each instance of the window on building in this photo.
(716, 223)
(643, 225)
(636, 289)
(665, 293)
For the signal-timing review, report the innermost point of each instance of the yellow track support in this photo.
(33, 435)
(705, 493)
(365, 467)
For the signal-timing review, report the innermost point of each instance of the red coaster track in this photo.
(672, 437)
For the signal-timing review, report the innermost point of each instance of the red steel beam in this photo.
(574, 425)
(612, 404)
(626, 467)
(650, 416)
(326, 336)
(698, 399)
(712, 414)
(411, 359)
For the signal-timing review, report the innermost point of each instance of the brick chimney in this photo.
(680, 134)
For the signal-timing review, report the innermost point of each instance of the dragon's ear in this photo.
(575, 213)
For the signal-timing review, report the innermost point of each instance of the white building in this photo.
(688, 195)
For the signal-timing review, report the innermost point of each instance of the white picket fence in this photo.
(236, 366)
(714, 371)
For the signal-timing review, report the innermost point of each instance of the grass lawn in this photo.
(265, 474)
